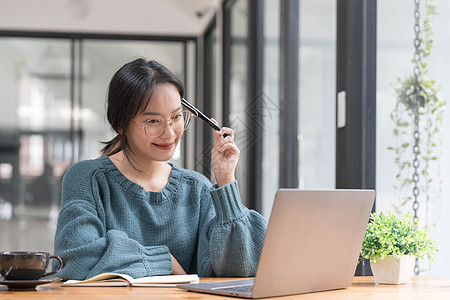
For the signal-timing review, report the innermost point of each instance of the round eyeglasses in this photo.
(155, 125)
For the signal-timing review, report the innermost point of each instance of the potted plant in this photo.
(392, 243)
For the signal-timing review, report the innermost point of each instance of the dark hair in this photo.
(129, 93)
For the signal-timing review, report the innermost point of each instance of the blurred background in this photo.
(270, 69)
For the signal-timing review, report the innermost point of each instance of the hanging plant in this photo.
(418, 94)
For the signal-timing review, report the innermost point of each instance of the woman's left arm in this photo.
(231, 235)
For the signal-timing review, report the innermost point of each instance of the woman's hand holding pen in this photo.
(224, 156)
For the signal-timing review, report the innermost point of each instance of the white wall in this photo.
(148, 17)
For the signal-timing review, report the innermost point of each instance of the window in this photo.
(53, 114)
(317, 86)
(238, 93)
(394, 54)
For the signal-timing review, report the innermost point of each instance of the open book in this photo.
(116, 279)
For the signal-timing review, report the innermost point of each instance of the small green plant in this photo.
(388, 234)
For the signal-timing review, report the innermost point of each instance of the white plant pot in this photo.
(393, 270)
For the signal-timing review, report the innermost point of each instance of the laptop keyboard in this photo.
(243, 289)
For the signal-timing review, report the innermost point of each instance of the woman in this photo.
(131, 212)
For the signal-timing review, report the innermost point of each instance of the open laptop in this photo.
(312, 244)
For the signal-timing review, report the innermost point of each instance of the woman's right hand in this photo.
(224, 156)
(177, 269)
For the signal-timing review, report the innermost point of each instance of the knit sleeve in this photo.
(231, 235)
(85, 245)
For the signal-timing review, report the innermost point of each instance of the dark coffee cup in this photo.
(26, 265)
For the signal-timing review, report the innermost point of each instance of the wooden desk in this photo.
(420, 287)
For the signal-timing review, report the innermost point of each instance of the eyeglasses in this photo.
(155, 126)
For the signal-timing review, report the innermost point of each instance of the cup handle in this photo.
(59, 267)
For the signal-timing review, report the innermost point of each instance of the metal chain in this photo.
(416, 134)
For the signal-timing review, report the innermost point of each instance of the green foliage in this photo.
(388, 234)
(431, 111)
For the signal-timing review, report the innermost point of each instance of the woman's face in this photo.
(166, 104)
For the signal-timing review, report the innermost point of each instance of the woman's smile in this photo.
(164, 146)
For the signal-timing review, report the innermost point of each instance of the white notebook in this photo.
(116, 279)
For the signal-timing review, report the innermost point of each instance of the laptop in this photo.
(312, 244)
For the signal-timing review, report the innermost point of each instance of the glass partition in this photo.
(271, 105)
(317, 86)
(53, 97)
(395, 50)
(35, 143)
(210, 105)
(238, 88)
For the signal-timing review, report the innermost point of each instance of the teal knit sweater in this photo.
(108, 223)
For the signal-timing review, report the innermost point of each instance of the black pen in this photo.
(201, 115)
